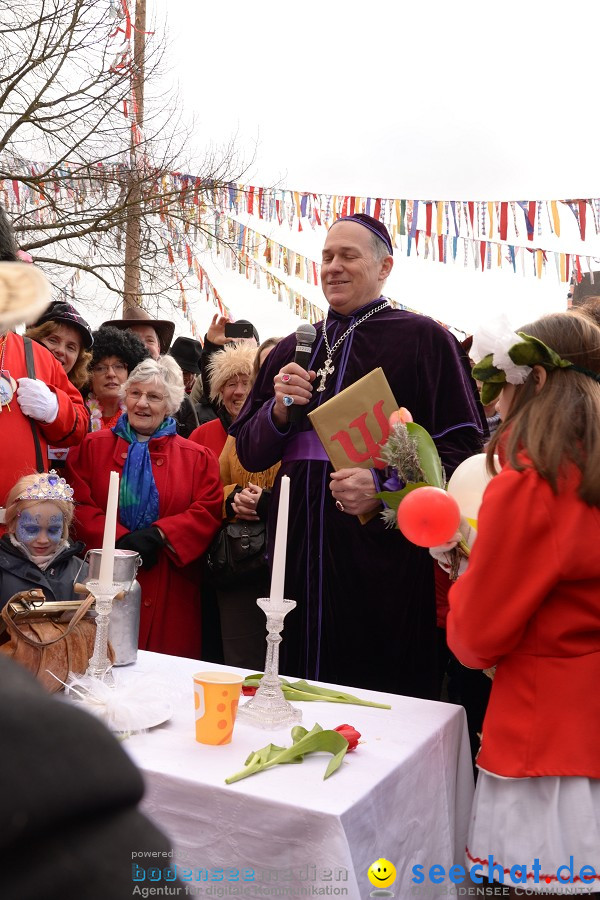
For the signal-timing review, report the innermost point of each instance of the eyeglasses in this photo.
(150, 397)
(101, 369)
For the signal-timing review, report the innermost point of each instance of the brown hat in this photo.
(136, 315)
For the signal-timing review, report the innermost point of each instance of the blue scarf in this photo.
(138, 495)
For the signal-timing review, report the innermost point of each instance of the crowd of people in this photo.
(201, 437)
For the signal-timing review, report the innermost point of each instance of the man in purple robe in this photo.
(365, 596)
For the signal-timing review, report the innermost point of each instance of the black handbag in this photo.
(237, 553)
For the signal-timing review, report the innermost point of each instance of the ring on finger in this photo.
(286, 377)
(339, 505)
(287, 401)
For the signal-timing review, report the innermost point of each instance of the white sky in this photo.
(397, 99)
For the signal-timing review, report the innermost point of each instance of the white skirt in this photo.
(555, 820)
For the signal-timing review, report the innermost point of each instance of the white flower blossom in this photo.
(497, 338)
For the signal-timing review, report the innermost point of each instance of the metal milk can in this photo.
(124, 623)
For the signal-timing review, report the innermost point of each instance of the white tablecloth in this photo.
(404, 794)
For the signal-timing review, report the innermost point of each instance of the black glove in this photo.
(148, 542)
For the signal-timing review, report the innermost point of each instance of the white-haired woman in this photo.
(169, 503)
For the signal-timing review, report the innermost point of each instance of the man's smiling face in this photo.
(351, 273)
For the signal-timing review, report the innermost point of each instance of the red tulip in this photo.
(351, 735)
(428, 517)
(400, 417)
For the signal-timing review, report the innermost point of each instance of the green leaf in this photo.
(302, 691)
(429, 457)
(534, 352)
(395, 498)
(334, 696)
(315, 740)
(335, 762)
(485, 370)
(490, 392)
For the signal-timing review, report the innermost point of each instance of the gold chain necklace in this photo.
(328, 367)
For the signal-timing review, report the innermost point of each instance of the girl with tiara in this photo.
(529, 604)
(35, 551)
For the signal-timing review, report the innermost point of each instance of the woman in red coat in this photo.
(529, 603)
(169, 503)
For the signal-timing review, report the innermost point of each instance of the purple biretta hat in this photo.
(373, 225)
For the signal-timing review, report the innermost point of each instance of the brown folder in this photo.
(353, 425)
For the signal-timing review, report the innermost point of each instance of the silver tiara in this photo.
(48, 487)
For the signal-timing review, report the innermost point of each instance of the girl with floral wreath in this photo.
(529, 604)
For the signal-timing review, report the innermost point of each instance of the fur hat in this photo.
(232, 360)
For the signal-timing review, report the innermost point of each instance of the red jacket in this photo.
(17, 450)
(190, 499)
(530, 603)
(210, 434)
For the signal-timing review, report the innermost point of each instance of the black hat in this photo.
(138, 316)
(254, 331)
(186, 351)
(61, 311)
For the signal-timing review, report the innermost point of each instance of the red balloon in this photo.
(428, 517)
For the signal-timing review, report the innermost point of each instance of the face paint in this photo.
(40, 529)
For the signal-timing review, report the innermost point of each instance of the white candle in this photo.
(107, 563)
(278, 572)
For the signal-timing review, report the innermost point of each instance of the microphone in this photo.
(306, 335)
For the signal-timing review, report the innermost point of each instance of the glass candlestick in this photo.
(99, 665)
(269, 708)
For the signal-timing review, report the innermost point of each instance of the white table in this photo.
(404, 794)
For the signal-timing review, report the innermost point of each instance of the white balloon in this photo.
(468, 482)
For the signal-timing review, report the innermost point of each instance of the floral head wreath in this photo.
(502, 355)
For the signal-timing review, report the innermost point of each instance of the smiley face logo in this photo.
(382, 873)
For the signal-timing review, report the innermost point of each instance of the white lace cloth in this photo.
(404, 794)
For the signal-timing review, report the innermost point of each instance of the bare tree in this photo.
(70, 141)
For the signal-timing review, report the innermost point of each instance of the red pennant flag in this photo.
(250, 199)
(428, 214)
(531, 217)
(482, 252)
(441, 248)
(471, 205)
(377, 210)
(260, 202)
(503, 221)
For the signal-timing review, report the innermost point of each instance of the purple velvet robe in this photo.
(365, 596)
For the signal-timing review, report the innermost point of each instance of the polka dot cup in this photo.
(216, 696)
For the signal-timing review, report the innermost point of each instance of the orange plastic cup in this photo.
(216, 696)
